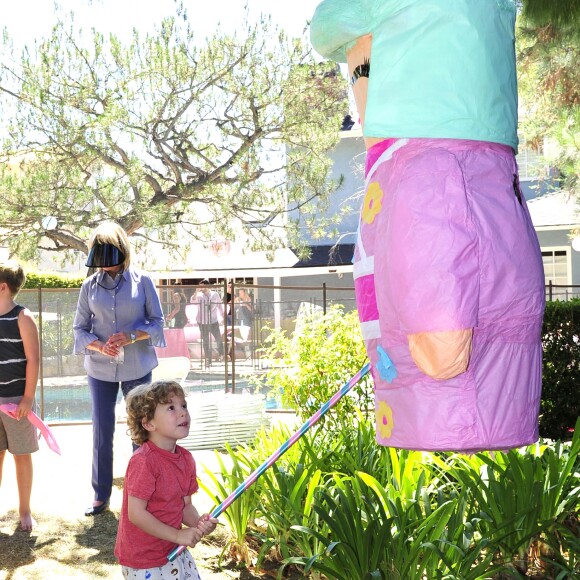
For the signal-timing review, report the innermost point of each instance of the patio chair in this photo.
(172, 368)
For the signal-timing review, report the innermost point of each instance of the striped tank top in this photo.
(12, 357)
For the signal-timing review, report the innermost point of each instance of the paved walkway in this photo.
(62, 484)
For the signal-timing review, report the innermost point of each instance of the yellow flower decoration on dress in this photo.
(372, 203)
(385, 424)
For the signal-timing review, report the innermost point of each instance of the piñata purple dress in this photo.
(445, 240)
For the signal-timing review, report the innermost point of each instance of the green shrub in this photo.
(287, 499)
(46, 280)
(441, 515)
(316, 362)
(522, 500)
(408, 515)
(371, 535)
(241, 513)
(354, 450)
(560, 405)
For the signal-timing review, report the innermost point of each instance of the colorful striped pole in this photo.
(280, 451)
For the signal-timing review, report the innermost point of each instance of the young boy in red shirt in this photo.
(160, 479)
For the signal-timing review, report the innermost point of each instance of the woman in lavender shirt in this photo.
(118, 323)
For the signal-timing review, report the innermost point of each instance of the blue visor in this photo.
(104, 256)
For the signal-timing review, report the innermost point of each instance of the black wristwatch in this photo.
(133, 337)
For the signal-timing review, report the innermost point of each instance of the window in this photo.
(555, 266)
(529, 160)
(556, 269)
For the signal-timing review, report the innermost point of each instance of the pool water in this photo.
(72, 403)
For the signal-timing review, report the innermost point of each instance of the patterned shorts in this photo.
(182, 568)
(18, 437)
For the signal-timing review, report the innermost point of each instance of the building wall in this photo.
(349, 159)
(348, 162)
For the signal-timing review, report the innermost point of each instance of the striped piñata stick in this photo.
(280, 451)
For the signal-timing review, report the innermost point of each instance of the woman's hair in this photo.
(13, 275)
(142, 402)
(112, 233)
(247, 295)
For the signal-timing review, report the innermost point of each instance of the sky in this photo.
(121, 16)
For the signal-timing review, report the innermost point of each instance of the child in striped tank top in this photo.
(19, 368)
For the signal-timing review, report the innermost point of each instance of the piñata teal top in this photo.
(438, 68)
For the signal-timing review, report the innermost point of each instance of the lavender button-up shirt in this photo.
(104, 309)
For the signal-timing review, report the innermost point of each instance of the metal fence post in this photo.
(41, 366)
(59, 336)
(225, 340)
(233, 336)
(324, 298)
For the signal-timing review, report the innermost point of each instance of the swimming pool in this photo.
(70, 401)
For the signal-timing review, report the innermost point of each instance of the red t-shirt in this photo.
(162, 479)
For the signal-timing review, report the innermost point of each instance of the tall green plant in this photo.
(372, 536)
(357, 524)
(505, 496)
(460, 552)
(521, 495)
(287, 491)
(563, 557)
(287, 500)
(355, 450)
(418, 515)
(241, 513)
(560, 506)
(269, 439)
(561, 478)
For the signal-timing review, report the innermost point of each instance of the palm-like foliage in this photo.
(354, 450)
(241, 513)
(287, 499)
(436, 516)
(521, 497)
(371, 535)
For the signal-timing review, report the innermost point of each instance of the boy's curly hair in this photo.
(142, 402)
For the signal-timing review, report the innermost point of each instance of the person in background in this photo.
(229, 298)
(161, 478)
(19, 367)
(243, 317)
(178, 313)
(210, 310)
(244, 308)
(118, 323)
